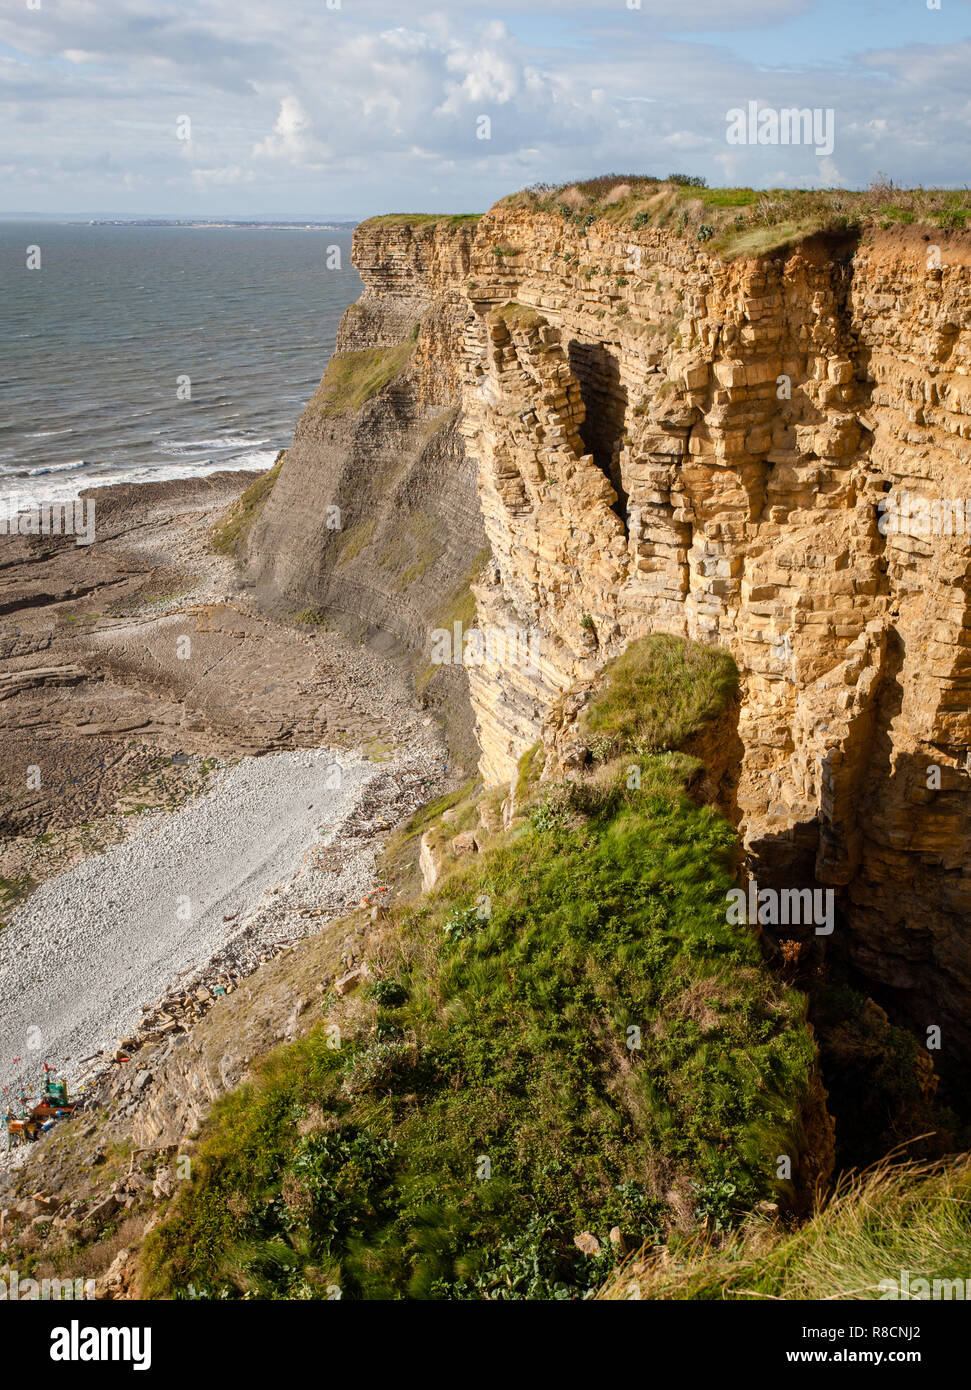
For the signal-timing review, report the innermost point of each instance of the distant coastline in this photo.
(202, 222)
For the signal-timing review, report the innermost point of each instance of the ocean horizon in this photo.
(136, 353)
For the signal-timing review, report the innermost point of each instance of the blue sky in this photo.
(330, 108)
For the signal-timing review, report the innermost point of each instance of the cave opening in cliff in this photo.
(597, 371)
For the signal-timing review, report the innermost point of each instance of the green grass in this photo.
(423, 819)
(520, 316)
(310, 617)
(461, 1136)
(529, 767)
(235, 524)
(15, 890)
(420, 219)
(760, 241)
(457, 607)
(354, 539)
(910, 1217)
(352, 378)
(413, 548)
(734, 222)
(728, 197)
(661, 692)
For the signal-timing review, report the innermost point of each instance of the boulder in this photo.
(587, 1243)
(429, 862)
(103, 1209)
(465, 843)
(164, 1184)
(349, 982)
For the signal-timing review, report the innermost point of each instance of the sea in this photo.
(143, 353)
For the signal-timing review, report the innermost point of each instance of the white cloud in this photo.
(292, 137)
(830, 174)
(281, 95)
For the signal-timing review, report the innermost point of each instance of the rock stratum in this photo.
(610, 433)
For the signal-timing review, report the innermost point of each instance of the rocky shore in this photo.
(172, 821)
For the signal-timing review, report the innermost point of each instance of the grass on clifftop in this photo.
(910, 1217)
(352, 378)
(421, 219)
(237, 521)
(745, 221)
(564, 1037)
(661, 692)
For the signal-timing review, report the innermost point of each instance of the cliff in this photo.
(649, 467)
(372, 523)
(700, 447)
(659, 439)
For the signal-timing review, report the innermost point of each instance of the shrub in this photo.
(390, 994)
(375, 1068)
(462, 922)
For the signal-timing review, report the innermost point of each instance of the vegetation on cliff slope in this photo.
(352, 378)
(910, 1218)
(660, 694)
(237, 521)
(564, 1037)
(745, 221)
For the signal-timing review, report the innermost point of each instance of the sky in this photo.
(325, 109)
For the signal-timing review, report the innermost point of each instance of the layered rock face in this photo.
(373, 521)
(667, 442)
(662, 441)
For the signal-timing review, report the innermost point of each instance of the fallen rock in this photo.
(429, 862)
(465, 843)
(617, 1240)
(587, 1243)
(352, 979)
(114, 1280)
(104, 1209)
(164, 1184)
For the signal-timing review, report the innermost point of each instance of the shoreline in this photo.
(66, 484)
(102, 946)
(203, 781)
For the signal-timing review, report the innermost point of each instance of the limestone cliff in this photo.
(662, 440)
(372, 523)
(676, 443)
